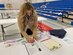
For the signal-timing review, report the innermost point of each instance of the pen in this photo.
(35, 43)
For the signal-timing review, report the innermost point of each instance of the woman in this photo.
(27, 22)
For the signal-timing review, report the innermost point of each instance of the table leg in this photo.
(3, 32)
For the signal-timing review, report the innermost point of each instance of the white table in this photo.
(66, 49)
(69, 32)
(7, 10)
(67, 43)
(6, 21)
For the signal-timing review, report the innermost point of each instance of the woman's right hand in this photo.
(31, 39)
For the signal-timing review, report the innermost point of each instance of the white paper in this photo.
(16, 49)
(43, 35)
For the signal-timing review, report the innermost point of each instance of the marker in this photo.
(35, 43)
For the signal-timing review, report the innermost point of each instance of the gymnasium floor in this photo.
(13, 33)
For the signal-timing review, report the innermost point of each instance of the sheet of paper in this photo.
(32, 48)
(51, 44)
(16, 49)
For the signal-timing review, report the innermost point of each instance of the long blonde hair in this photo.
(24, 8)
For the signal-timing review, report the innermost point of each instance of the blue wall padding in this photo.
(72, 23)
(60, 4)
(2, 6)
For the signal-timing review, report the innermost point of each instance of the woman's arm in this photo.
(22, 28)
(35, 27)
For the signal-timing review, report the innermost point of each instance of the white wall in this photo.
(37, 1)
(17, 3)
(1, 1)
